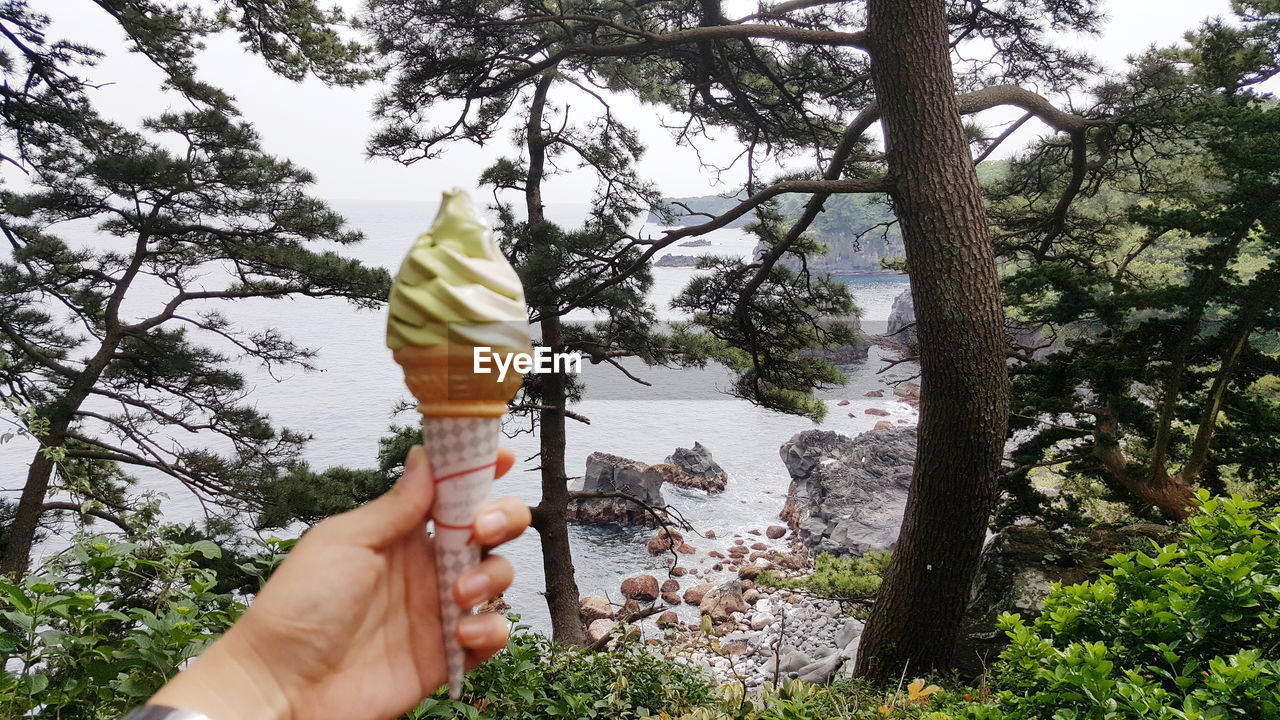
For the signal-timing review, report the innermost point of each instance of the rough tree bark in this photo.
(963, 413)
(549, 516)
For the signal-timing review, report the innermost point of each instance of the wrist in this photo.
(228, 681)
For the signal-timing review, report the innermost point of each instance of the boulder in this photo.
(671, 598)
(695, 594)
(599, 629)
(875, 393)
(695, 468)
(819, 671)
(759, 546)
(670, 585)
(883, 425)
(761, 620)
(749, 572)
(677, 571)
(1016, 570)
(668, 619)
(663, 541)
(629, 609)
(613, 474)
(842, 403)
(847, 495)
(775, 531)
(643, 588)
(686, 549)
(595, 608)
(723, 600)
(902, 318)
(751, 596)
(876, 411)
(793, 661)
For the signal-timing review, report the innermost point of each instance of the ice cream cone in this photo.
(455, 292)
(462, 452)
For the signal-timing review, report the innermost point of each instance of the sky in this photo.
(325, 128)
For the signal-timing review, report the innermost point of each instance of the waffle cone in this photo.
(444, 381)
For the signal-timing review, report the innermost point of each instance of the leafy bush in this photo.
(105, 625)
(1188, 631)
(534, 678)
(837, 578)
(847, 700)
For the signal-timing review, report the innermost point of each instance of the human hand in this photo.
(348, 627)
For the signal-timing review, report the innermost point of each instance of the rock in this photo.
(760, 621)
(716, 554)
(851, 631)
(663, 541)
(749, 572)
(671, 598)
(902, 318)
(695, 468)
(643, 588)
(595, 608)
(677, 571)
(1015, 572)
(842, 403)
(685, 549)
(700, 242)
(723, 600)
(909, 393)
(876, 411)
(672, 260)
(496, 605)
(739, 541)
(759, 546)
(710, 534)
(775, 531)
(600, 629)
(629, 608)
(751, 596)
(670, 585)
(668, 619)
(847, 495)
(738, 551)
(610, 473)
(793, 661)
(819, 671)
(695, 594)
(883, 425)
(874, 393)
(753, 531)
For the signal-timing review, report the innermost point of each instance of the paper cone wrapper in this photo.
(463, 453)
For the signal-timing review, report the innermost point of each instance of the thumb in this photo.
(402, 509)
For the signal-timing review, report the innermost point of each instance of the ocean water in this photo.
(348, 405)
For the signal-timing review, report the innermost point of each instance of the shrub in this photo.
(1187, 631)
(534, 678)
(105, 624)
(837, 578)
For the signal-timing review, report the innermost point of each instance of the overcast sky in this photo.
(324, 129)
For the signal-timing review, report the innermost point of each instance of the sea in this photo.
(348, 403)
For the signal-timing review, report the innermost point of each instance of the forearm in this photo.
(228, 681)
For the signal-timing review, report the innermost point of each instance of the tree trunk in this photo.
(964, 387)
(549, 516)
(22, 533)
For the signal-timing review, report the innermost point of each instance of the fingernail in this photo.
(477, 630)
(474, 586)
(490, 524)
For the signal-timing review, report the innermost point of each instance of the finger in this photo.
(501, 521)
(482, 636)
(483, 582)
(506, 459)
(401, 509)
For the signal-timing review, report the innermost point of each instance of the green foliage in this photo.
(105, 624)
(1187, 631)
(837, 577)
(535, 679)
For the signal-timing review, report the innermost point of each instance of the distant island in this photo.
(677, 261)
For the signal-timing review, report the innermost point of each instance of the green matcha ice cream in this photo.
(455, 287)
